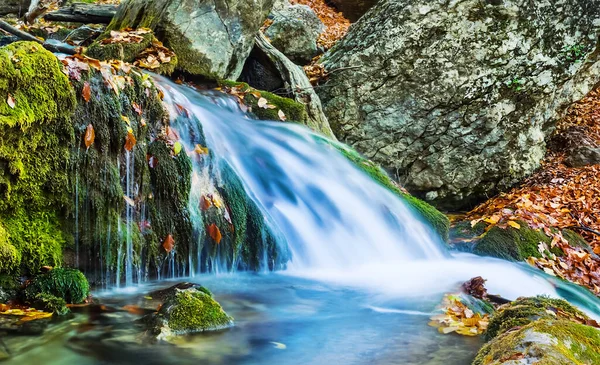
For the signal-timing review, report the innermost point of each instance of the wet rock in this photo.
(353, 9)
(82, 36)
(260, 73)
(187, 311)
(457, 98)
(584, 156)
(540, 331)
(210, 38)
(294, 32)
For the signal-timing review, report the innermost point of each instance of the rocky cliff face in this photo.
(458, 98)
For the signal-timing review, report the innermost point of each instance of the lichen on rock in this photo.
(459, 97)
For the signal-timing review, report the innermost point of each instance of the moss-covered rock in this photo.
(128, 51)
(526, 310)
(436, 219)
(10, 257)
(188, 311)
(513, 244)
(68, 284)
(294, 111)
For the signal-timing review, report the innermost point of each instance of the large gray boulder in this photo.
(457, 98)
(211, 38)
(295, 31)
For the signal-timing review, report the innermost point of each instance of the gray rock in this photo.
(211, 38)
(457, 98)
(583, 156)
(294, 32)
(353, 9)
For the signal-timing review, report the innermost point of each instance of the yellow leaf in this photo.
(514, 224)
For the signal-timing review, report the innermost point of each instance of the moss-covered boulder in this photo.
(36, 105)
(540, 331)
(189, 311)
(67, 284)
(293, 111)
(526, 310)
(436, 219)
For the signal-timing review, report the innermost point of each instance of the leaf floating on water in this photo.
(129, 201)
(214, 233)
(86, 92)
(169, 244)
(10, 101)
(130, 141)
(177, 148)
(90, 136)
(279, 345)
(201, 150)
(262, 103)
(205, 203)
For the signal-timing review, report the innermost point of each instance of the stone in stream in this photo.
(294, 32)
(210, 38)
(457, 98)
(540, 330)
(191, 309)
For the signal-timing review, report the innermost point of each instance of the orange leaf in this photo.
(205, 203)
(130, 141)
(169, 244)
(214, 233)
(86, 92)
(90, 136)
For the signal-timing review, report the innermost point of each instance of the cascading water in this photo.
(339, 224)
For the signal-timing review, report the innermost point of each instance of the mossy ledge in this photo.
(294, 111)
(436, 219)
(68, 284)
(540, 331)
(508, 243)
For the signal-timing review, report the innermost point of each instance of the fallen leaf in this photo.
(281, 115)
(169, 243)
(90, 136)
(177, 147)
(10, 101)
(129, 201)
(214, 233)
(86, 92)
(514, 224)
(262, 103)
(130, 141)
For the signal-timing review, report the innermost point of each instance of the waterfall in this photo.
(340, 225)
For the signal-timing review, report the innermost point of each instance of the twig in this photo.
(582, 226)
(28, 37)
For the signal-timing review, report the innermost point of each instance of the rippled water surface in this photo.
(278, 320)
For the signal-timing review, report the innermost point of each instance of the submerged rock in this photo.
(187, 311)
(210, 38)
(459, 97)
(294, 32)
(540, 331)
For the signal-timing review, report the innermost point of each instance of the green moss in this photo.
(514, 244)
(576, 240)
(253, 240)
(126, 52)
(436, 219)
(10, 257)
(171, 183)
(37, 236)
(294, 111)
(526, 310)
(68, 284)
(34, 135)
(50, 303)
(544, 342)
(195, 311)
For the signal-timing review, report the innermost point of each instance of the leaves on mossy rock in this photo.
(90, 136)
(127, 35)
(169, 243)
